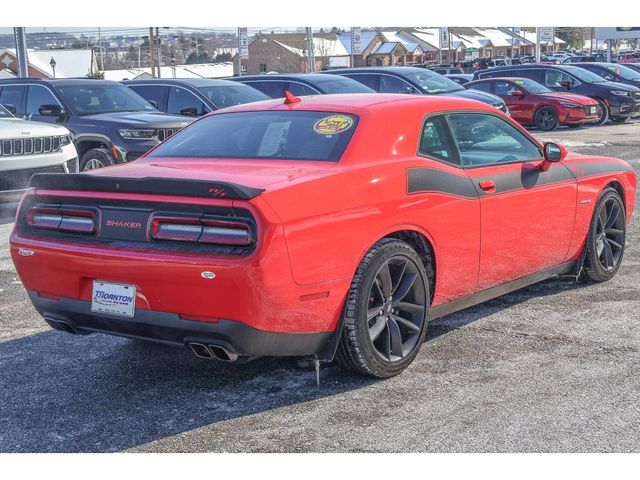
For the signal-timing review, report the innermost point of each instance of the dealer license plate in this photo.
(113, 298)
(593, 110)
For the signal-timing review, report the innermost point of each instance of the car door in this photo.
(38, 96)
(527, 214)
(520, 107)
(152, 93)
(557, 80)
(183, 102)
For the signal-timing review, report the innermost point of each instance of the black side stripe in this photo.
(590, 169)
(525, 178)
(432, 180)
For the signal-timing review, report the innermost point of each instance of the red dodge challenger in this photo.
(327, 225)
(533, 104)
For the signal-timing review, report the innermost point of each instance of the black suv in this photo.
(301, 84)
(617, 101)
(194, 96)
(109, 122)
(414, 80)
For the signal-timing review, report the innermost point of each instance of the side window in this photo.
(504, 88)
(554, 78)
(389, 84)
(36, 97)
(181, 100)
(435, 140)
(604, 73)
(13, 95)
(370, 81)
(484, 139)
(272, 89)
(155, 93)
(300, 89)
(484, 86)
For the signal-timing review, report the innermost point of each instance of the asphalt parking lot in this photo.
(551, 368)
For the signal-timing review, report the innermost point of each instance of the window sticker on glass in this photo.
(519, 82)
(333, 124)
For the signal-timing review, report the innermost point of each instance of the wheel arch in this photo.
(84, 143)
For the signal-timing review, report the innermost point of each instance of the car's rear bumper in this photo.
(170, 328)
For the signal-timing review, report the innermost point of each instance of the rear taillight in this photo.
(61, 218)
(205, 229)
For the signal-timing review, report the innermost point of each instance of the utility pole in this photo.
(451, 60)
(311, 59)
(21, 52)
(159, 52)
(152, 52)
(100, 50)
(537, 45)
(591, 44)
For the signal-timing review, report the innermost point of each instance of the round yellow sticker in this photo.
(333, 124)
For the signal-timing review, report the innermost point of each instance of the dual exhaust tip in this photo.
(61, 325)
(218, 352)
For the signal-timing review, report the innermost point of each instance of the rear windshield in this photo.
(285, 135)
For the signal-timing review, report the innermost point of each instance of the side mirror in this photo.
(189, 111)
(517, 93)
(153, 103)
(50, 110)
(11, 108)
(553, 153)
(566, 84)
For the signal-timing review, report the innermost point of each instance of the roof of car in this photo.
(352, 103)
(61, 82)
(309, 77)
(194, 82)
(396, 70)
(504, 79)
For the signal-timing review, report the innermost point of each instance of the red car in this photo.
(315, 225)
(533, 104)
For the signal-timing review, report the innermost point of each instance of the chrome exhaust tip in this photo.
(224, 354)
(61, 325)
(200, 350)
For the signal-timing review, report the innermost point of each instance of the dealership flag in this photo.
(444, 37)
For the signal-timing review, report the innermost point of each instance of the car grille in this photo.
(164, 133)
(29, 146)
(19, 179)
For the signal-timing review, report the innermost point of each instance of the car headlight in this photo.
(622, 93)
(65, 140)
(137, 133)
(570, 105)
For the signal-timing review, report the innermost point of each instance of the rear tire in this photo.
(606, 238)
(546, 119)
(381, 334)
(96, 158)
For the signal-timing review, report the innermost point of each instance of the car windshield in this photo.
(624, 71)
(431, 82)
(100, 98)
(532, 86)
(584, 75)
(229, 95)
(4, 113)
(263, 135)
(338, 84)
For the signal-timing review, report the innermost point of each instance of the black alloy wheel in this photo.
(546, 119)
(385, 315)
(610, 233)
(395, 311)
(606, 239)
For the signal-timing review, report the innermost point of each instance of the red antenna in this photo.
(290, 98)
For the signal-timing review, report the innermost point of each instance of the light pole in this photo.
(52, 62)
(173, 64)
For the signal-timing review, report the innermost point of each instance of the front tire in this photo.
(96, 158)
(606, 238)
(385, 316)
(546, 119)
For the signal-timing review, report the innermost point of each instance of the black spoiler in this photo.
(150, 185)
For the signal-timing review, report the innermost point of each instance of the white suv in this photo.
(27, 148)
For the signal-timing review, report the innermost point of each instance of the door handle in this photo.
(488, 186)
